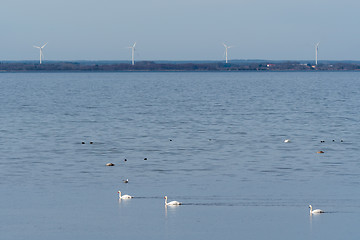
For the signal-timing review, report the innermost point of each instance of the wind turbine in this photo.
(41, 51)
(316, 52)
(132, 53)
(226, 52)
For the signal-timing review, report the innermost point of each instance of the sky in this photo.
(179, 30)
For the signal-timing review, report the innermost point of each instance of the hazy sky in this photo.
(179, 30)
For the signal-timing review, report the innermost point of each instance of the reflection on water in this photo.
(171, 208)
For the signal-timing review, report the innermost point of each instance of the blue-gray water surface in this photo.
(213, 141)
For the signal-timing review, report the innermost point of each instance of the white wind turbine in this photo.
(132, 53)
(316, 52)
(41, 51)
(226, 52)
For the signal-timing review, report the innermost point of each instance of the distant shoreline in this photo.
(151, 66)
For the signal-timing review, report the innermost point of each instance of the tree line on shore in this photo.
(154, 66)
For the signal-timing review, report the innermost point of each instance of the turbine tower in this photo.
(41, 51)
(226, 52)
(132, 53)
(316, 52)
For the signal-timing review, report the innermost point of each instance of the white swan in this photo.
(286, 140)
(124, 196)
(316, 211)
(172, 203)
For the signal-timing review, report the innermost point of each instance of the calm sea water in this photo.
(214, 141)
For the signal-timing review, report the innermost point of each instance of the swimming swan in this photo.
(316, 211)
(172, 202)
(124, 196)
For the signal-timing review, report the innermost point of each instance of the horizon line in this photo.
(233, 60)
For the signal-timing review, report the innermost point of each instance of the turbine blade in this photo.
(225, 45)
(134, 45)
(36, 47)
(44, 45)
